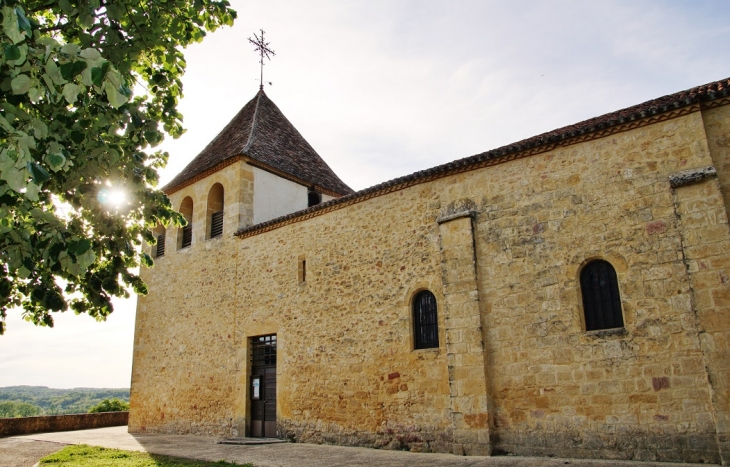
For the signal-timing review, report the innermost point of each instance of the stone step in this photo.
(250, 441)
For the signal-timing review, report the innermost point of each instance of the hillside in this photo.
(21, 400)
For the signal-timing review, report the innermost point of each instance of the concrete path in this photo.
(284, 455)
(18, 452)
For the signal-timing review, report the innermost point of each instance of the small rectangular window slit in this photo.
(302, 270)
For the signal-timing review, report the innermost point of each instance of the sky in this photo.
(382, 89)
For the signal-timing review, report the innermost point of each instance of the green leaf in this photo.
(147, 260)
(86, 259)
(23, 50)
(31, 191)
(49, 84)
(116, 99)
(54, 72)
(23, 272)
(71, 69)
(97, 75)
(10, 25)
(23, 23)
(20, 84)
(38, 173)
(15, 178)
(69, 265)
(48, 41)
(71, 92)
(66, 6)
(91, 54)
(77, 137)
(35, 95)
(85, 20)
(12, 52)
(79, 247)
(5, 125)
(40, 129)
(71, 49)
(56, 161)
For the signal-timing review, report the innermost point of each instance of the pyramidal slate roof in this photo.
(262, 133)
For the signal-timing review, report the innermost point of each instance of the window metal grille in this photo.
(263, 350)
(601, 300)
(187, 235)
(216, 224)
(160, 251)
(425, 321)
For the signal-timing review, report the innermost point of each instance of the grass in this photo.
(82, 455)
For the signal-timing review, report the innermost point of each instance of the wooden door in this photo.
(262, 388)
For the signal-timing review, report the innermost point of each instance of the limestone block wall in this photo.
(184, 355)
(184, 366)
(553, 388)
(347, 372)
(640, 393)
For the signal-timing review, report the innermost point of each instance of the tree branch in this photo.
(57, 27)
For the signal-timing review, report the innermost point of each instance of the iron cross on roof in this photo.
(263, 49)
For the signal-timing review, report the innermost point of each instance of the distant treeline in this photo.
(30, 401)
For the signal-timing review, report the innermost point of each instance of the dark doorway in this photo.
(263, 386)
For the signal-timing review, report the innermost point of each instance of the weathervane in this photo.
(263, 49)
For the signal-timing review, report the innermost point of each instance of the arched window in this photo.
(159, 248)
(313, 198)
(601, 300)
(425, 321)
(185, 235)
(215, 211)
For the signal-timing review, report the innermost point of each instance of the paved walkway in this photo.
(24, 451)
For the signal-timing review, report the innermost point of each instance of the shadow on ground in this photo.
(287, 454)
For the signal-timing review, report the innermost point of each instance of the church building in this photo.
(567, 295)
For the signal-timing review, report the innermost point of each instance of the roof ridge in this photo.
(249, 142)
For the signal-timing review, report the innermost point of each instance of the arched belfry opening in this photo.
(185, 234)
(214, 215)
(158, 249)
(313, 198)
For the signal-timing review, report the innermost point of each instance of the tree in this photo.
(15, 409)
(77, 179)
(110, 405)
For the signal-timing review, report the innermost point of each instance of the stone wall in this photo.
(641, 393)
(516, 372)
(184, 353)
(52, 423)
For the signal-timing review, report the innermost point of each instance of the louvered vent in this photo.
(187, 235)
(216, 224)
(160, 246)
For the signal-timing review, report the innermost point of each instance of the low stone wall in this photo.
(82, 421)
